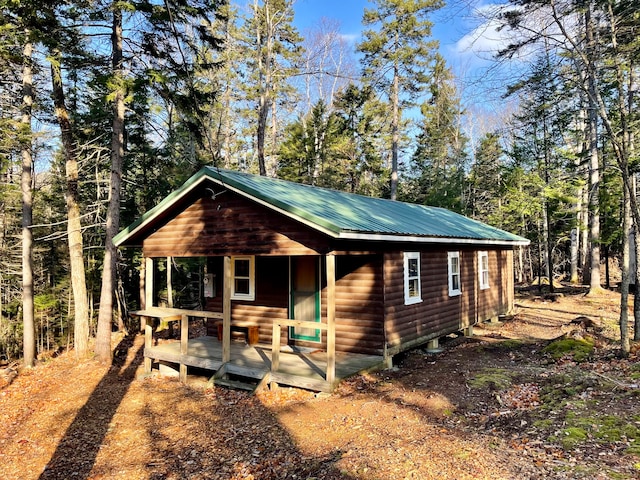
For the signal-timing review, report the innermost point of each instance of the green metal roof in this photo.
(341, 214)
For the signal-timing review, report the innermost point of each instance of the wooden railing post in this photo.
(275, 347)
(184, 345)
(226, 311)
(148, 343)
(169, 282)
(331, 318)
(148, 283)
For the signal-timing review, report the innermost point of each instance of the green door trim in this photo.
(316, 337)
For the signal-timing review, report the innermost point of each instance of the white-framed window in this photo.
(243, 278)
(454, 274)
(483, 270)
(412, 292)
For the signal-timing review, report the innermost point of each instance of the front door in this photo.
(305, 297)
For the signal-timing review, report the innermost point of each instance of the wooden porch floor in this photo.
(297, 369)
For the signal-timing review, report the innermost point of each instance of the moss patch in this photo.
(578, 350)
(492, 378)
(602, 429)
(572, 436)
(504, 345)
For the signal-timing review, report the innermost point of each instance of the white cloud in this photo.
(486, 38)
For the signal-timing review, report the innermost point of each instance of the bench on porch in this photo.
(252, 330)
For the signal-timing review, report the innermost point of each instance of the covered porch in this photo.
(257, 365)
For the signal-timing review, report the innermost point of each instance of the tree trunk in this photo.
(264, 101)
(109, 268)
(594, 203)
(576, 233)
(624, 286)
(547, 254)
(548, 243)
(263, 112)
(575, 238)
(636, 297)
(74, 226)
(26, 181)
(594, 167)
(395, 131)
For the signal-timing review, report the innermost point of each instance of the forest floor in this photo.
(503, 404)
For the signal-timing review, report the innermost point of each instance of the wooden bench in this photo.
(252, 331)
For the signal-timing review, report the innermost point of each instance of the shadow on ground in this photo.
(77, 451)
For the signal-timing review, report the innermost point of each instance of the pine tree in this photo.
(441, 151)
(397, 55)
(272, 46)
(485, 181)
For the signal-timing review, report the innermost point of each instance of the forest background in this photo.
(106, 106)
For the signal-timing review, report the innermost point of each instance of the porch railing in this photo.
(330, 373)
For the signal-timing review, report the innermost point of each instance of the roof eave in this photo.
(381, 237)
(317, 224)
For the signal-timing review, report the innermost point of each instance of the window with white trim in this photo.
(483, 270)
(243, 278)
(454, 274)
(412, 292)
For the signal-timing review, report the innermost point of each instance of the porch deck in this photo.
(297, 369)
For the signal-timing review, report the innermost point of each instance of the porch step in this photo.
(235, 384)
(249, 380)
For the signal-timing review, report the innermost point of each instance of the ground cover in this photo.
(534, 397)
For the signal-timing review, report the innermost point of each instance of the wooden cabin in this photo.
(302, 269)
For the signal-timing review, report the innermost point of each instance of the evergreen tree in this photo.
(306, 151)
(272, 46)
(397, 56)
(337, 150)
(485, 181)
(441, 151)
(541, 128)
(365, 127)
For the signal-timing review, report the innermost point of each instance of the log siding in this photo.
(370, 314)
(438, 313)
(232, 225)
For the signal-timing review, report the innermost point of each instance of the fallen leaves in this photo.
(417, 421)
(522, 397)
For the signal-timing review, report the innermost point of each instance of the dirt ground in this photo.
(498, 405)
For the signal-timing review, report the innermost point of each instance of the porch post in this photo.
(331, 318)
(226, 311)
(169, 284)
(148, 343)
(148, 282)
(184, 345)
(146, 293)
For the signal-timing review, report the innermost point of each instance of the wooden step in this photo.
(220, 378)
(235, 384)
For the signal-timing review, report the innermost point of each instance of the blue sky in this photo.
(466, 41)
(451, 24)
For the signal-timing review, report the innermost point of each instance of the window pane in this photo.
(242, 268)
(242, 286)
(455, 282)
(413, 267)
(454, 265)
(413, 288)
(485, 278)
(485, 262)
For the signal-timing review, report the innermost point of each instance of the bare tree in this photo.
(275, 45)
(26, 182)
(74, 225)
(105, 315)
